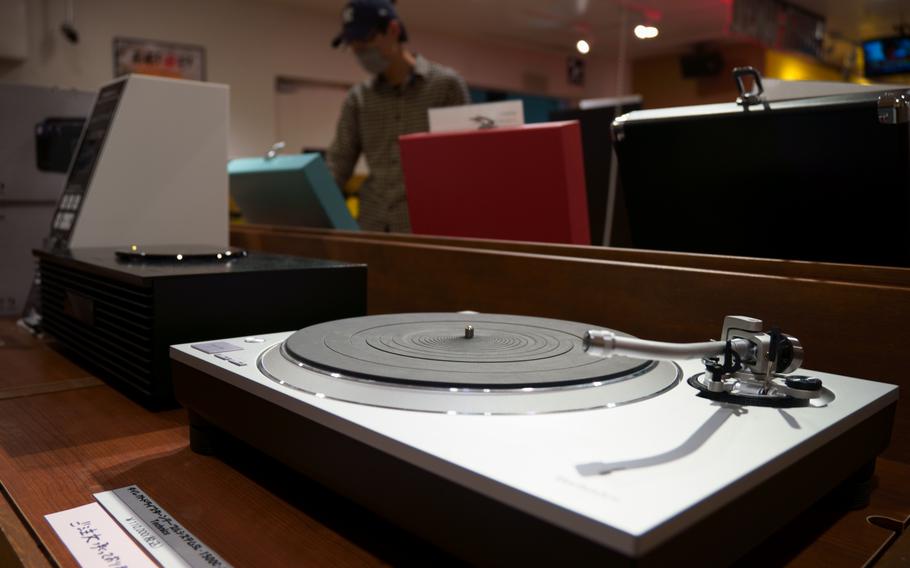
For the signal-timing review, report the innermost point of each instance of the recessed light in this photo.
(645, 32)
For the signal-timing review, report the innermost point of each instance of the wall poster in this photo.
(153, 57)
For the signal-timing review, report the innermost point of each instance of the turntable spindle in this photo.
(468, 331)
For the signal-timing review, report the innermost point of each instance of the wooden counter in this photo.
(64, 435)
(58, 447)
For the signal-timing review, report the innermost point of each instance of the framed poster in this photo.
(164, 59)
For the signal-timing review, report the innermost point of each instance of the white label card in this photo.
(95, 540)
(479, 116)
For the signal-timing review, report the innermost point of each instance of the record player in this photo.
(508, 439)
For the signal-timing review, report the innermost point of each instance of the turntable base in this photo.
(637, 483)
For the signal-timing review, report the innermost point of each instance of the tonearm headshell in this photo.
(748, 366)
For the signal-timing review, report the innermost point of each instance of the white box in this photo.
(477, 117)
(160, 174)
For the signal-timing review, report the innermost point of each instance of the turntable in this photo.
(508, 439)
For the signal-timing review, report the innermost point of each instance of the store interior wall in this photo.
(250, 44)
(660, 81)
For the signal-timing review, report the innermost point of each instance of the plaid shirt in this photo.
(373, 116)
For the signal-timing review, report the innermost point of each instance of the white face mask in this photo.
(371, 60)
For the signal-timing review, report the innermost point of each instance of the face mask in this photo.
(371, 60)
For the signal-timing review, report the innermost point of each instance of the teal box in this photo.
(293, 190)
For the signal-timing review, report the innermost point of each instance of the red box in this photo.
(525, 183)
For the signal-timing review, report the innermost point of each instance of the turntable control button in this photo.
(236, 362)
(222, 356)
(213, 347)
(253, 340)
(804, 383)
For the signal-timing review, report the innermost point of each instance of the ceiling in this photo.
(558, 24)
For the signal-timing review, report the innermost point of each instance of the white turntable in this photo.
(507, 438)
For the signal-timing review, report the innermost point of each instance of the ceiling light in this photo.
(582, 46)
(645, 32)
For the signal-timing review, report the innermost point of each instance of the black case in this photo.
(120, 317)
(823, 179)
(597, 147)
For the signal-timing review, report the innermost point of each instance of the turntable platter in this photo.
(462, 363)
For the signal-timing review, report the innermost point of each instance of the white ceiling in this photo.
(558, 24)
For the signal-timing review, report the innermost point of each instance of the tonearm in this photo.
(747, 366)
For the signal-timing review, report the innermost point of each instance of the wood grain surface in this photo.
(17, 547)
(893, 276)
(26, 363)
(58, 448)
(828, 536)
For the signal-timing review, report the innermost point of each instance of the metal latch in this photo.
(753, 95)
(894, 108)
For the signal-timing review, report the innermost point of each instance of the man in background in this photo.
(376, 112)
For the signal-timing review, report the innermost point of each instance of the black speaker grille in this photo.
(107, 322)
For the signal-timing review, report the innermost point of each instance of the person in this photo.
(395, 101)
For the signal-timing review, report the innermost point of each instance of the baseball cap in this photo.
(360, 18)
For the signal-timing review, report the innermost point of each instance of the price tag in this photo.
(159, 533)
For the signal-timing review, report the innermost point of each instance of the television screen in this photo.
(887, 56)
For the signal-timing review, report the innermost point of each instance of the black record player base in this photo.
(481, 530)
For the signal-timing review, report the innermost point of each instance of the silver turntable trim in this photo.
(652, 380)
